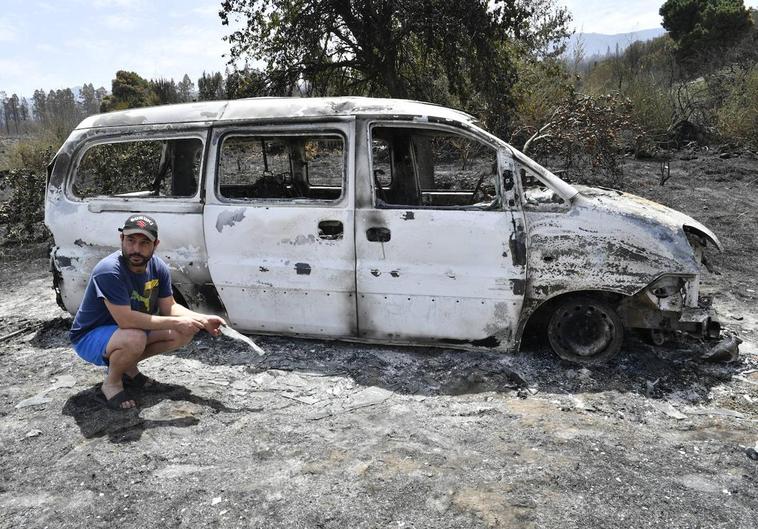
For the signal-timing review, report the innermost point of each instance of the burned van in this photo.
(374, 220)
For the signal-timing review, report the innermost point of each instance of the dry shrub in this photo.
(585, 138)
(652, 106)
(22, 188)
(23, 211)
(32, 153)
(540, 86)
(738, 117)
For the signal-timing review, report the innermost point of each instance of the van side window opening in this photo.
(144, 168)
(432, 168)
(536, 194)
(381, 166)
(282, 167)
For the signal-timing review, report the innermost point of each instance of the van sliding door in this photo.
(279, 227)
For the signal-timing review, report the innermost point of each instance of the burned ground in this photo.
(330, 434)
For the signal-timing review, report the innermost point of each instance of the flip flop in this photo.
(144, 383)
(117, 400)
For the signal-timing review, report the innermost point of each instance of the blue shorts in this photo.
(91, 346)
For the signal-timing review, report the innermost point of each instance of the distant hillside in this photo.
(600, 44)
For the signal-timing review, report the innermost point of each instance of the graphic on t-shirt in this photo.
(113, 282)
(148, 296)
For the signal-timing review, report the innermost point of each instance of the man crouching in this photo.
(117, 324)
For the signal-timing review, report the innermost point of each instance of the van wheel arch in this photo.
(200, 298)
(179, 297)
(600, 310)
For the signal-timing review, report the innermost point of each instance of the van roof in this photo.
(285, 108)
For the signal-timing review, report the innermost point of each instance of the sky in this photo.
(618, 16)
(53, 44)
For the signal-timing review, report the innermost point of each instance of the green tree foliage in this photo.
(3, 98)
(185, 89)
(11, 112)
(703, 29)
(100, 94)
(23, 210)
(542, 85)
(23, 109)
(165, 91)
(62, 113)
(454, 53)
(128, 90)
(23, 187)
(245, 83)
(89, 100)
(39, 105)
(210, 87)
(59, 111)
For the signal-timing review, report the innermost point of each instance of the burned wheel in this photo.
(585, 330)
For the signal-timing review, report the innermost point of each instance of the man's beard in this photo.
(142, 259)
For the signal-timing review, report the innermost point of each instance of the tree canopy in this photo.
(165, 90)
(128, 90)
(457, 53)
(703, 29)
(210, 87)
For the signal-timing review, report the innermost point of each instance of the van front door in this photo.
(441, 252)
(279, 228)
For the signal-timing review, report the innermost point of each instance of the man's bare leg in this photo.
(124, 350)
(165, 341)
(159, 342)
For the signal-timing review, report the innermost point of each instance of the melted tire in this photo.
(585, 330)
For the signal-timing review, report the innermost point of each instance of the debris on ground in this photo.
(726, 350)
(333, 435)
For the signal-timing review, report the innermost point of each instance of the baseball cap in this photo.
(140, 224)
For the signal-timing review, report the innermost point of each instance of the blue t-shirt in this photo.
(111, 279)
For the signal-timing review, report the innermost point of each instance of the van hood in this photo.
(643, 208)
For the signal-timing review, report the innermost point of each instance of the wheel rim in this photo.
(583, 330)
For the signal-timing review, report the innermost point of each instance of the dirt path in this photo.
(326, 434)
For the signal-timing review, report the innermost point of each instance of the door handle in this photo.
(378, 234)
(330, 229)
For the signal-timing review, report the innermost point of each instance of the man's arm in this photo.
(126, 318)
(169, 307)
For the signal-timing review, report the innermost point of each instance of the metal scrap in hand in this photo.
(235, 335)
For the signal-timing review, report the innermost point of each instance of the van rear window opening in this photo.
(282, 167)
(143, 168)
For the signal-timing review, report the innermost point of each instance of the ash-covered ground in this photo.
(319, 434)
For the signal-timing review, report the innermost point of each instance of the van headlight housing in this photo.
(674, 292)
(666, 286)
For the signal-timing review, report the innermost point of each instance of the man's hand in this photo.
(213, 324)
(169, 307)
(187, 325)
